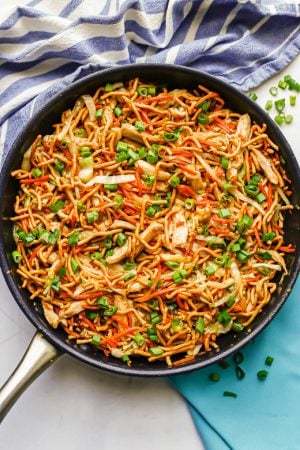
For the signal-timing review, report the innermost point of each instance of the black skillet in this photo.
(50, 343)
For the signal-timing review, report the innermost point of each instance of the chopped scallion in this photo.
(229, 394)
(118, 111)
(240, 373)
(96, 339)
(253, 96)
(243, 255)
(262, 374)
(224, 213)
(172, 264)
(151, 211)
(139, 126)
(282, 84)
(121, 239)
(224, 318)
(176, 325)
(288, 119)
(148, 179)
(209, 270)
(273, 91)
(237, 326)
(102, 302)
(238, 358)
(179, 276)
(269, 360)
(200, 325)
(189, 203)
(156, 351)
(214, 377)
(129, 265)
(121, 146)
(203, 119)
(85, 152)
(268, 105)
(108, 87)
(268, 236)
(119, 201)
(129, 276)
(224, 162)
(231, 300)
(92, 216)
(99, 113)
(174, 181)
(171, 137)
(152, 157)
(280, 104)
(36, 173)
(278, 119)
(16, 256)
(55, 207)
(155, 318)
(73, 238)
(292, 100)
(152, 91)
(139, 339)
(74, 265)
(59, 166)
(244, 224)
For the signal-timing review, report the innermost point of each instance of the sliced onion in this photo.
(86, 171)
(194, 351)
(236, 275)
(217, 285)
(113, 179)
(26, 160)
(117, 85)
(283, 196)
(89, 102)
(221, 301)
(71, 146)
(68, 122)
(246, 199)
(210, 171)
(116, 353)
(268, 266)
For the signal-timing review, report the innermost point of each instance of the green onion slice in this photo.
(16, 256)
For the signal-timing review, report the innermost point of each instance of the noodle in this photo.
(151, 221)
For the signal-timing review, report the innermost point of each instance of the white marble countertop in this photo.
(72, 406)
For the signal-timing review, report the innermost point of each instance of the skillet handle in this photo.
(39, 355)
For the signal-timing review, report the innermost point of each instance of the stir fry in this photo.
(151, 221)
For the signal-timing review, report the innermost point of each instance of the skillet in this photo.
(48, 344)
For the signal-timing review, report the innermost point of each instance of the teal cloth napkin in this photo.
(265, 415)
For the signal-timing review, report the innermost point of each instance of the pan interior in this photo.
(41, 123)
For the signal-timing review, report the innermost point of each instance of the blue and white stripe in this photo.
(45, 45)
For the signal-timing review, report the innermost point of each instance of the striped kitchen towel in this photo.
(46, 45)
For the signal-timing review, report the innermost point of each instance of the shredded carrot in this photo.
(35, 181)
(157, 278)
(88, 322)
(181, 303)
(257, 236)
(119, 320)
(188, 170)
(182, 361)
(34, 254)
(186, 190)
(287, 249)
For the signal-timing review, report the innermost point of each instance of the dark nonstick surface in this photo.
(173, 77)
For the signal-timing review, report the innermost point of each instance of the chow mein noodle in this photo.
(151, 221)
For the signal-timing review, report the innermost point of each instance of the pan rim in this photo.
(49, 332)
